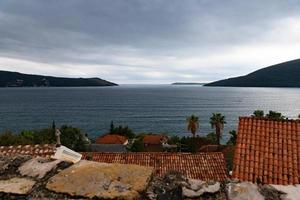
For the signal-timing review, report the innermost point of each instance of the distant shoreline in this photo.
(188, 83)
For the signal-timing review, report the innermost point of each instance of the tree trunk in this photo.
(218, 133)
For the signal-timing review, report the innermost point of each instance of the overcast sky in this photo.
(147, 41)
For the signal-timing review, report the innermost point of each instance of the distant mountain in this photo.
(285, 74)
(182, 83)
(15, 79)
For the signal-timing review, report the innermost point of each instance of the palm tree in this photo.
(193, 124)
(217, 121)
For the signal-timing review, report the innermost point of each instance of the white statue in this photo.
(57, 134)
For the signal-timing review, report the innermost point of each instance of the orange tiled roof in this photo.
(268, 151)
(33, 150)
(153, 139)
(204, 166)
(111, 139)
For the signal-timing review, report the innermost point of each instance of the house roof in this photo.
(204, 166)
(268, 151)
(108, 148)
(111, 139)
(34, 150)
(153, 139)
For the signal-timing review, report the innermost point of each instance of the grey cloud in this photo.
(137, 33)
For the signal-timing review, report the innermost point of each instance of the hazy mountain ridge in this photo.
(16, 79)
(285, 74)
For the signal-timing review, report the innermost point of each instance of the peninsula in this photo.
(285, 74)
(16, 79)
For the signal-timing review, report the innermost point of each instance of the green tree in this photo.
(73, 138)
(112, 127)
(212, 137)
(137, 146)
(174, 140)
(44, 136)
(123, 130)
(258, 113)
(217, 121)
(274, 115)
(26, 137)
(53, 125)
(299, 116)
(8, 138)
(193, 124)
(233, 137)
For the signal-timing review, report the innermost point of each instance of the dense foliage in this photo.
(274, 115)
(71, 137)
(233, 137)
(258, 113)
(121, 130)
(137, 146)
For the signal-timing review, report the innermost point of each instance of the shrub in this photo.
(233, 137)
(71, 137)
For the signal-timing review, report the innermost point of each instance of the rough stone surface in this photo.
(167, 188)
(16, 185)
(243, 191)
(197, 187)
(102, 180)
(290, 192)
(10, 165)
(38, 167)
(270, 193)
(172, 187)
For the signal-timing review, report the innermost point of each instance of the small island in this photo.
(16, 79)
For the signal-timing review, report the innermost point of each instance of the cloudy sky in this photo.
(147, 41)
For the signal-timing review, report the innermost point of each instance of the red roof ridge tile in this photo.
(45, 150)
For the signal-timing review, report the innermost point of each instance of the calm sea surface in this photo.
(155, 108)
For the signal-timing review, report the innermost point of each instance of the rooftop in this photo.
(45, 150)
(111, 139)
(268, 151)
(203, 166)
(154, 139)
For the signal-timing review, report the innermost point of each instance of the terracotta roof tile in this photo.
(154, 139)
(111, 139)
(45, 150)
(204, 166)
(267, 151)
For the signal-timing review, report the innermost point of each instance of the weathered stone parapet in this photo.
(27, 178)
(102, 180)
